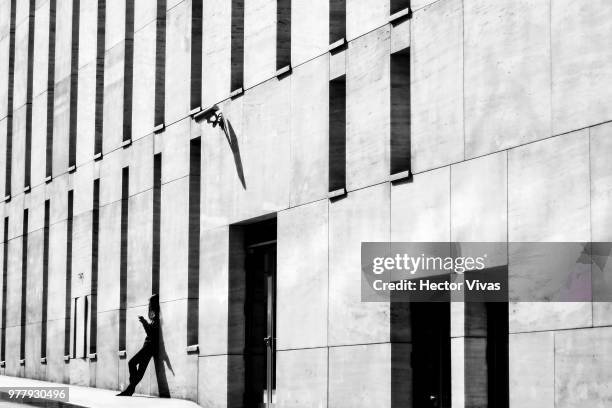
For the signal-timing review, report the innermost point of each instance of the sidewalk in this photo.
(89, 397)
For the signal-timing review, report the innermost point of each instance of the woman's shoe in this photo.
(127, 392)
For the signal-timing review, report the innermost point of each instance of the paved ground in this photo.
(89, 397)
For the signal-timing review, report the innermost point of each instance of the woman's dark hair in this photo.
(154, 304)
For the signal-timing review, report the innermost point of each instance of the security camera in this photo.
(211, 115)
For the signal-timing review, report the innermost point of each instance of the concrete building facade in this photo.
(119, 181)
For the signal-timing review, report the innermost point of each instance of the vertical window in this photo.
(337, 21)
(68, 299)
(99, 110)
(128, 71)
(50, 92)
(237, 46)
(93, 302)
(74, 86)
(24, 284)
(29, 87)
(157, 182)
(45, 282)
(195, 100)
(4, 289)
(193, 285)
(123, 256)
(497, 355)
(160, 65)
(337, 136)
(400, 114)
(10, 93)
(283, 35)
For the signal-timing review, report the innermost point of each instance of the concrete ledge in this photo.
(337, 45)
(72, 168)
(7, 198)
(27, 189)
(48, 179)
(400, 15)
(43, 360)
(92, 356)
(194, 111)
(159, 128)
(98, 156)
(126, 143)
(67, 358)
(336, 194)
(22, 362)
(402, 175)
(192, 349)
(2, 364)
(236, 93)
(286, 70)
(122, 354)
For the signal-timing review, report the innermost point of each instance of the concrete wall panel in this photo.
(21, 65)
(507, 74)
(18, 151)
(144, 81)
(55, 351)
(426, 219)
(63, 39)
(601, 199)
(113, 111)
(548, 201)
(301, 378)
(302, 280)
(259, 41)
(216, 52)
(223, 169)
(368, 110)
(109, 259)
(360, 376)
(145, 11)
(4, 68)
(437, 91)
(39, 139)
(581, 64)
(13, 284)
(33, 368)
(57, 271)
(309, 131)
(479, 202)
(362, 216)
(363, 16)
(309, 29)
(114, 30)
(173, 143)
(583, 367)
(532, 370)
(213, 294)
(107, 364)
(266, 134)
(34, 282)
(88, 30)
(174, 240)
(61, 119)
(178, 62)
(41, 49)
(86, 110)
(140, 239)
(141, 165)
